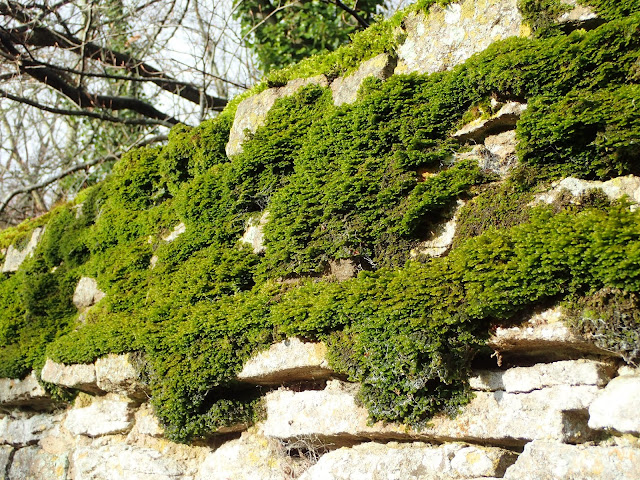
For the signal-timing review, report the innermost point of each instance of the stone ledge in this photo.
(616, 407)
(26, 392)
(77, 376)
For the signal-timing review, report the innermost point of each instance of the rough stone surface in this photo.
(345, 89)
(175, 233)
(579, 16)
(79, 376)
(544, 460)
(544, 335)
(14, 393)
(616, 408)
(15, 257)
(409, 461)
(146, 423)
(542, 375)
(252, 112)
(446, 37)
(20, 429)
(254, 233)
(504, 119)
(441, 238)
(288, 361)
(33, 463)
(249, 457)
(497, 154)
(508, 419)
(87, 293)
(105, 416)
(5, 457)
(614, 189)
(118, 374)
(123, 462)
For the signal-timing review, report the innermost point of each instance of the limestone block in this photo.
(87, 293)
(545, 460)
(288, 361)
(28, 391)
(507, 419)
(15, 257)
(616, 407)
(542, 375)
(33, 463)
(543, 335)
(254, 233)
(123, 462)
(5, 457)
(345, 89)
(497, 154)
(175, 233)
(579, 16)
(614, 189)
(441, 238)
(249, 457)
(446, 37)
(410, 461)
(505, 119)
(104, 416)
(119, 374)
(78, 376)
(252, 112)
(146, 423)
(21, 429)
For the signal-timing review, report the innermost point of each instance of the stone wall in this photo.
(563, 411)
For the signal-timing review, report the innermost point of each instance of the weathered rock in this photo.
(123, 462)
(146, 423)
(104, 416)
(252, 112)
(616, 407)
(508, 419)
(543, 336)
(446, 37)
(345, 89)
(6, 453)
(33, 463)
(543, 375)
(580, 16)
(497, 155)
(544, 460)
(20, 429)
(614, 189)
(119, 374)
(87, 293)
(78, 376)
(505, 119)
(288, 361)
(175, 233)
(249, 457)
(254, 233)
(343, 269)
(410, 461)
(441, 238)
(14, 257)
(28, 391)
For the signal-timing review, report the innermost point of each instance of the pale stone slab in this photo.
(87, 293)
(441, 238)
(32, 463)
(254, 233)
(410, 461)
(105, 416)
(544, 460)
(504, 119)
(507, 419)
(249, 457)
(616, 407)
(345, 89)
(119, 374)
(20, 429)
(78, 376)
(287, 361)
(28, 391)
(252, 112)
(542, 375)
(497, 154)
(146, 423)
(175, 233)
(579, 16)
(614, 189)
(15, 257)
(123, 462)
(5, 457)
(446, 37)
